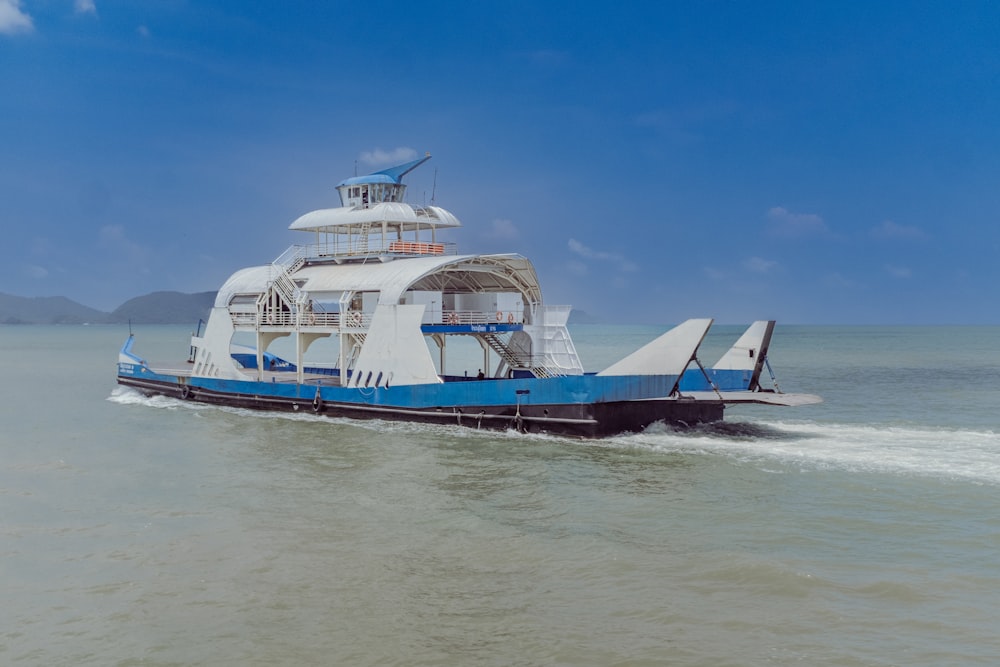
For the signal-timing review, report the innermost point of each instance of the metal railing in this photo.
(482, 317)
(359, 319)
(353, 319)
(371, 246)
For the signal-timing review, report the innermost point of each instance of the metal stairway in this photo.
(281, 283)
(512, 360)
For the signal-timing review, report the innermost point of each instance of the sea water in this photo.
(862, 531)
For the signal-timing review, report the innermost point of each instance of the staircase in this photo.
(281, 281)
(512, 360)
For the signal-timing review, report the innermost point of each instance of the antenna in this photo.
(434, 187)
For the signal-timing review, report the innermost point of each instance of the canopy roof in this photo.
(396, 214)
(390, 175)
(455, 273)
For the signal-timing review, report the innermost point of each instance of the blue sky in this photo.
(809, 162)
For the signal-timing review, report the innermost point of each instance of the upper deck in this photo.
(374, 219)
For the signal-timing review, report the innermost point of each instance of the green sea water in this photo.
(862, 531)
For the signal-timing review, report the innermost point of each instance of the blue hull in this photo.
(580, 405)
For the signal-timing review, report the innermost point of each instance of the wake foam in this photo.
(935, 452)
(921, 451)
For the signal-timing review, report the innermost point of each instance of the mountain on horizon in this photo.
(155, 308)
(165, 308)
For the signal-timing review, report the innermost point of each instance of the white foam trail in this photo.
(934, 452)
(129, 396)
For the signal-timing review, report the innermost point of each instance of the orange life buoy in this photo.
(270, 318)
(311, 319)
(510, 318)
(499, 316)
(453, 318)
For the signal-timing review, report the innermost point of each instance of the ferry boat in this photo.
(383, 298)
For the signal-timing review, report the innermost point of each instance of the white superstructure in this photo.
(377, 278)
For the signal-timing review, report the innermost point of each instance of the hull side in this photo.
(588, 419)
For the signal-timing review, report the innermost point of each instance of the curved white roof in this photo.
(396, 213)
(251, 280)
(449, 273)
(456, 273)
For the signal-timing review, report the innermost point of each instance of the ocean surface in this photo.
(862, 531)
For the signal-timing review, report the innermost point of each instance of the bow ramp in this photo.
(670, 354)
(735, 377)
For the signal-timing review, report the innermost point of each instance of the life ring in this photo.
(270, 318)
(355, 318)
(499, 316)
(510, 318)
(311, 319)
(452, 318)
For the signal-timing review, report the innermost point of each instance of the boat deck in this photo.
(281, 376)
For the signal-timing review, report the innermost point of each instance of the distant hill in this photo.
(155, 308)
(46, 310)
(164, 308)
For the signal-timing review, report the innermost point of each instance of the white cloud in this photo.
(503, 229)
(12, 19)
(687, 124)
(898, 271)
(838, 280)
(714, 273)
(584, 251)
(379, 157)
(888, 229)
(112, 237)
(85, 7)
(625, 265)
(786, 223)
(36, 272)
(759, 264)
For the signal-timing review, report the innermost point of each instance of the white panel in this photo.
(395, 212)
(748, 350)
(213, 358)
(669, 354)
(430, 300)
(368, 301)
(252, 280)
(395, 348)
(759, 397)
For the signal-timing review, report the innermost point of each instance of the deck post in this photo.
(299, 373)
(260, 355)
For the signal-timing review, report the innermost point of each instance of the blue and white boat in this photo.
(384, 300)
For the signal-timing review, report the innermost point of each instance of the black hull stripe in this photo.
(591, 420)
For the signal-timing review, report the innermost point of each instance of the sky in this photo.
(810, 162)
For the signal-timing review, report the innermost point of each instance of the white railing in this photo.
(358, 319)
(292, 257)
(310, 319)
(361, 247)
(481, 317)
